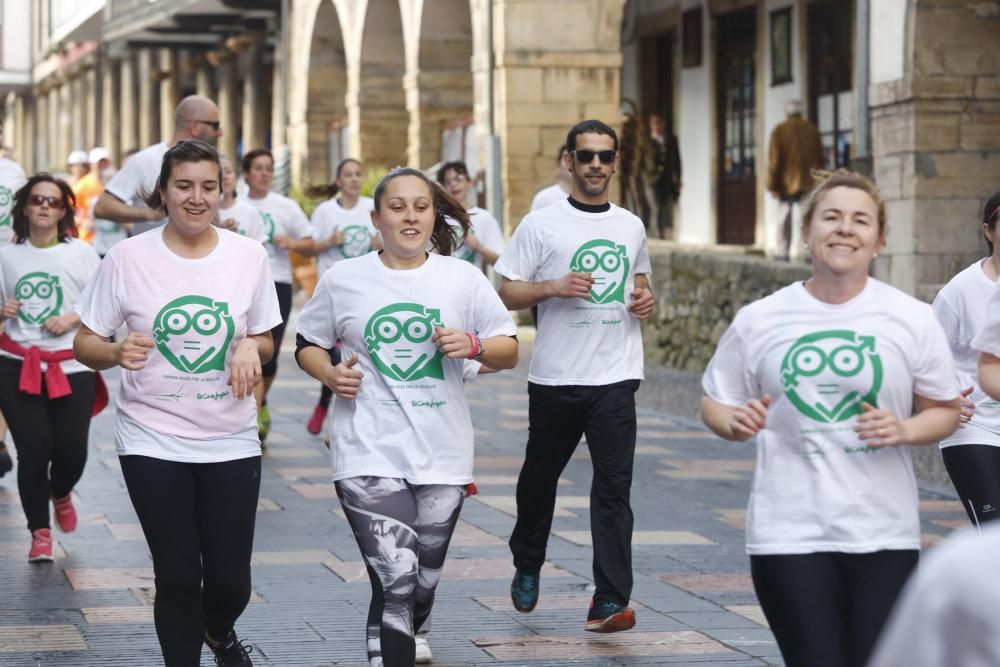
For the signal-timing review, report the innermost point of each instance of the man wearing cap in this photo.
(105, 232)
(196, 117)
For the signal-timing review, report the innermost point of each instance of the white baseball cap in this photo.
(99, 153)
(78, 157)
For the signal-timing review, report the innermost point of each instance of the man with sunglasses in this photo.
(585, 263)
(197, 117)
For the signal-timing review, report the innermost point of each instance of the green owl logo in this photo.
(6, 204)
(398, 338)
(608, 263)
(357, 241)
(827, 375)
(269, 225)
(40, 295)
(193, 333)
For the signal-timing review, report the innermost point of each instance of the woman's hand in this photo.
(880, 428)
(57, 325)
(229, 224)
(281, 241)
(471, 242)
(750, 418)
(642, 304)
(344, 379)
(131, 353)
(244, 369)
(455, 343)
(968, 408)
(11, 308)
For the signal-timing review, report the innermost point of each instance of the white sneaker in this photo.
(423, 653)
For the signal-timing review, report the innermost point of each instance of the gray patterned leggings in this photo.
(403, 531)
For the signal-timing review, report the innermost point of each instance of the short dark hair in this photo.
(67, 223)
(990, 213)
(592, 126)
(253, 155)
(189, 150)
(456, 166)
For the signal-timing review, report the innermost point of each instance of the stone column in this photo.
(279, 101)
(91, 130)
(40, 148)
(111, 112)
(225, 75)
(54, 160)
(253, 117)
(78, 112)
(66, 108)
(149, 110)
(170, 88)
(25, 149)
(128, 108)
(203, 82)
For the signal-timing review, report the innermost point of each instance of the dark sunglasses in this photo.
(53, 202)
(584, 156)
(214, 124)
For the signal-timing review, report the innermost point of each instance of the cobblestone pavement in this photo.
(693, 597)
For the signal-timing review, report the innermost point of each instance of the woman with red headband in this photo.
(46, 395)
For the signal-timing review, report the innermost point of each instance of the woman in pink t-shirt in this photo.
(199, 304)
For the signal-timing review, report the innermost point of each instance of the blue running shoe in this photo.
(609, 616)
(524, 590)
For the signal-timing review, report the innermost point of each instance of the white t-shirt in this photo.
(593, 341)
(960, 306)
(12, 179)
(180, 407)
(249, 221)
(137, 177)
(817, 486)
(47, 282)
(411, 419)
(548, 196)
(282, 217)
(487, 231)
(330, 217)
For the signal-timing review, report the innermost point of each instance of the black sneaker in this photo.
(524, 590)
(6, 464)
(609, 616)
(232, 652)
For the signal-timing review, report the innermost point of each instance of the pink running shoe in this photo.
(65, 513)
(315, 423)
(41, 546)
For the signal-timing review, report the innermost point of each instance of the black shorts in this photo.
(284, 290)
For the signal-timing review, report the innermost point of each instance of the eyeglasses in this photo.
(53, 202)
(584, 156)
(214, 124)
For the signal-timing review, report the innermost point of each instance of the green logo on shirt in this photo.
(269, 225)
(828, 374)
(399, 342)
(193, 333)
(6, 204)
(40, 295)
(608, 263)
(357, 241)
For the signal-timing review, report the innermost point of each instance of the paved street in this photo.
(693, 597)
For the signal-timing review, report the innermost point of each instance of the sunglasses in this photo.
(214, 124)
(584, 156)
(53, 202)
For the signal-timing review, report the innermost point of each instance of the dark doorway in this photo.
(736, 117)
(831, 87)
(656, 77)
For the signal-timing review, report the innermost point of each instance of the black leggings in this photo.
(50, 436)
(828, 609)
(403, 531)
(975, 472)
(198, 519)
(284, 290)
(325, 393)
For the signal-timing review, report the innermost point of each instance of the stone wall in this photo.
(698, 292)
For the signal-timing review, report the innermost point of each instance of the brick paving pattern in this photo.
(693, 597)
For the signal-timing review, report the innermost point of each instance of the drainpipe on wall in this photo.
(494, 185)
(862, 134)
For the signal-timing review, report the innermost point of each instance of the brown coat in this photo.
(796, 149)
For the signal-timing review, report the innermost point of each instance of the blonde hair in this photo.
(842, 178)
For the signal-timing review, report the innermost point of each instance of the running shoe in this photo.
(232, 652)
(524, 590)
(6, 464)
(65, 513)
(263, 423)
(315, 423)
(41, 546)
(609, 616)
(423, 651)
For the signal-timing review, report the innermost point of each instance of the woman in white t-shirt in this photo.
(484, 242)
(401, 436)
(41, 276)
(836, 377)
(199, 304)
(972, 453)
(343, 229)
(234, 213)
(287, 229)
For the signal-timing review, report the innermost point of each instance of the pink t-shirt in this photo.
(180, 407)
